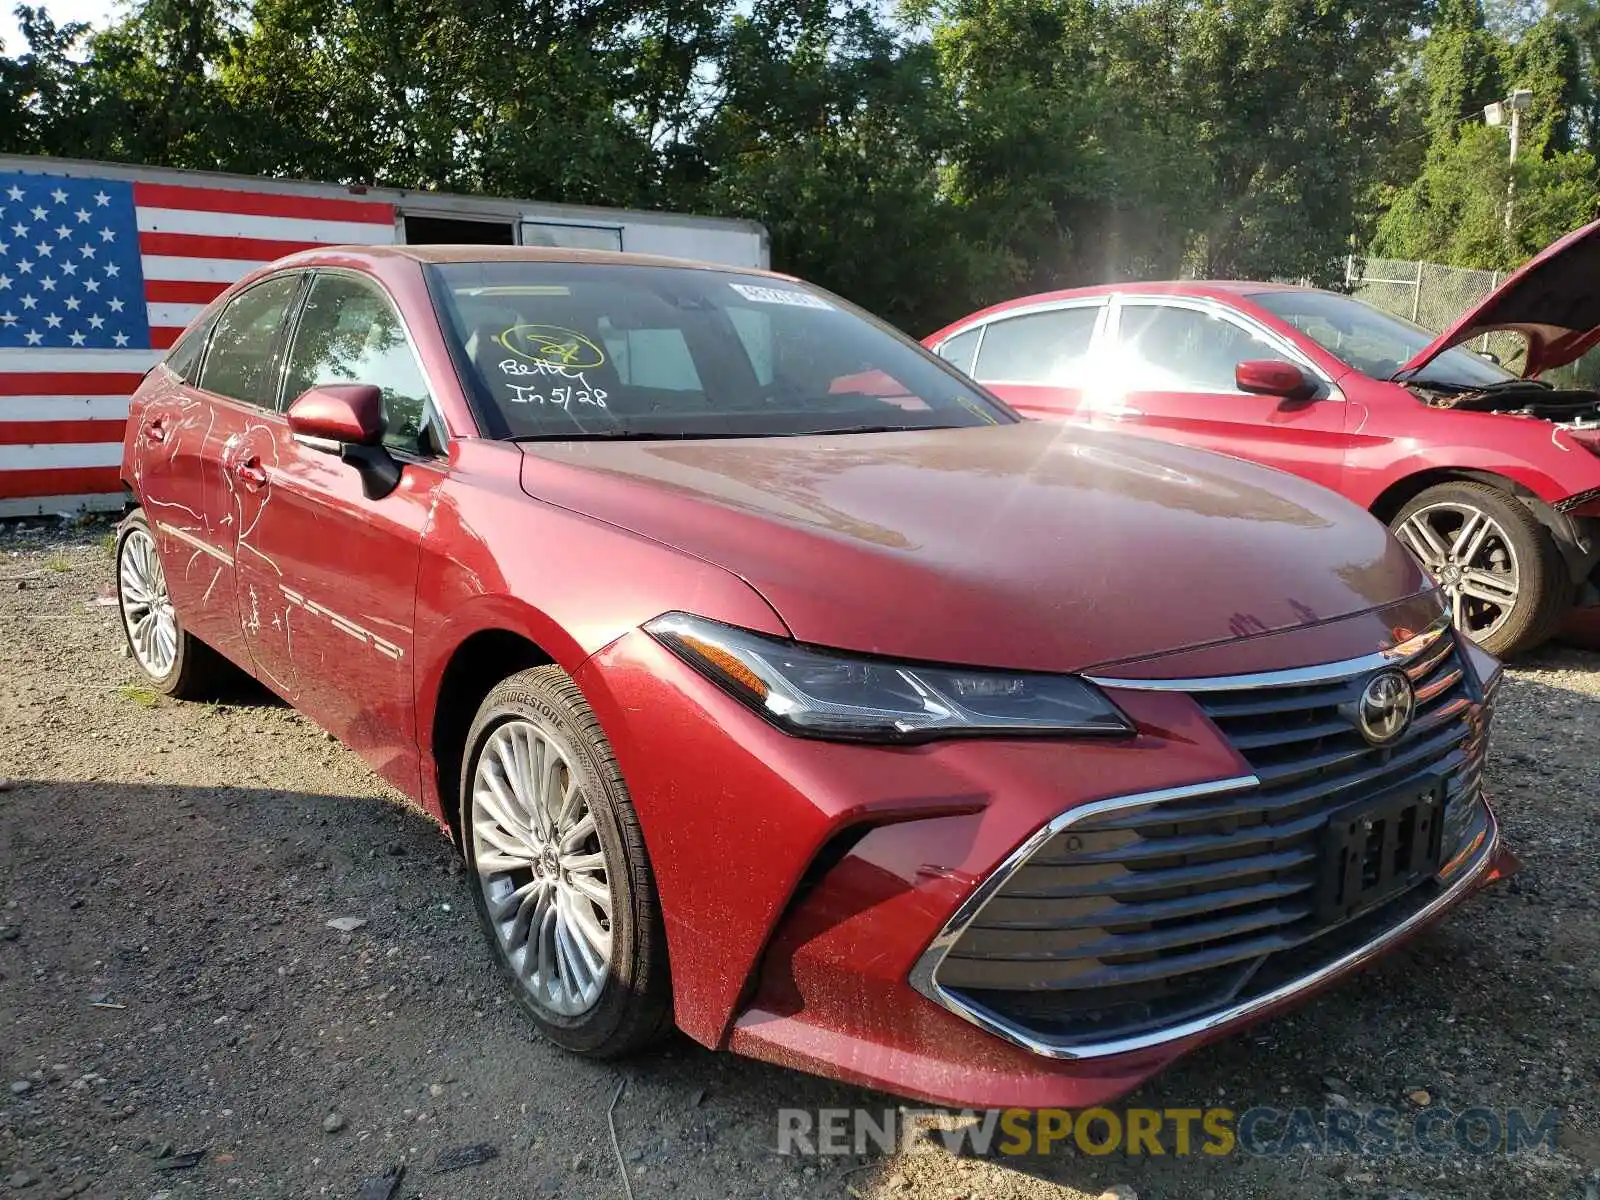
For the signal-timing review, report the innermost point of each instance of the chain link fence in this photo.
(1431, 296)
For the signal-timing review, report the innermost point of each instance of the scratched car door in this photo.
(186, 433)
(327, 576)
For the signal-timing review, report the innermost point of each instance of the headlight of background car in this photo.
(827, 694)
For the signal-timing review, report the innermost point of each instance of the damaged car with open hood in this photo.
(1489, 473)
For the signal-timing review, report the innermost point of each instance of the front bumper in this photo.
(811, 890)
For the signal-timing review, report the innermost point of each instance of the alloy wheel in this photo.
(541, 867)
(146, 607)
(1469, 555)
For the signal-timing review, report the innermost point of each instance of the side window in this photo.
(183, 360)
(958, 351)
(349, 332)
(1049, 348)
(242, 360)
(1163, 348)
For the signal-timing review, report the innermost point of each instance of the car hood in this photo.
(1028, 545)
(1552, 300)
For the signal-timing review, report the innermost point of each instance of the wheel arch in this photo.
(480, 660)
(1578, 550)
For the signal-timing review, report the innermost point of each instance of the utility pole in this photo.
(1520, 100)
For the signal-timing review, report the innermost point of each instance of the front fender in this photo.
(1542, 458)
(494, 559)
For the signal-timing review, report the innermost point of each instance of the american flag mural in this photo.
(98, 277)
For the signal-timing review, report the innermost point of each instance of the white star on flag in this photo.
(154, 248)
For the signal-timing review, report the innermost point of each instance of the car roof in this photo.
(1214, 289)
(1173, 287)
(475, 254)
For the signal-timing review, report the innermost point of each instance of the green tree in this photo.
(1454, 211)
(828, 124)
(1460, 67)
(41, 110)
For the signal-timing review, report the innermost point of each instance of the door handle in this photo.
(155, 432)
(251, 473)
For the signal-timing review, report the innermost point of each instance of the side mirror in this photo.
(340, 413)
(1274, 377)
(346, 419)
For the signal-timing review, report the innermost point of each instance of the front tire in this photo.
(561, 881)
(1500, 569)
(173, 659)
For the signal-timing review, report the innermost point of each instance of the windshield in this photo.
(1376, 343)
(572, 350)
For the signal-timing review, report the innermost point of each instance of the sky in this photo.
(96, 12)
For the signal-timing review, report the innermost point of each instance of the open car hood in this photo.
(1553, 300)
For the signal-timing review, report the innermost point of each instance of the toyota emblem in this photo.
(1384, 711)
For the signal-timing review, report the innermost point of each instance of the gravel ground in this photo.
(177, 1019)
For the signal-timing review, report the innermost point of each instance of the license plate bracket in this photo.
(1380, 846)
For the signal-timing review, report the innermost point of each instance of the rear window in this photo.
(561, 350)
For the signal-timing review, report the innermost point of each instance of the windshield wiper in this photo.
(638, 435)
(1507, 385)
(862, 429)
(623, 433)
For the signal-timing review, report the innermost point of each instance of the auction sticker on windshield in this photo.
(768, 295)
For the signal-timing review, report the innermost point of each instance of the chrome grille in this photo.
(1134, 917)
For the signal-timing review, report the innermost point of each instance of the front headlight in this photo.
(829, 694)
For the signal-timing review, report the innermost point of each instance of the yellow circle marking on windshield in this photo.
(552, 344)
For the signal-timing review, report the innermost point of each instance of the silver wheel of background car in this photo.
(1471, 558)
(541, 867)
(146, 606)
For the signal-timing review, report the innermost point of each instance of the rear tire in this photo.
(1500, 569)
(559, 870)
(174, 661)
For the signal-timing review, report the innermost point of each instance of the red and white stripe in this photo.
(62, 412)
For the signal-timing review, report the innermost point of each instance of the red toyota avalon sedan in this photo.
(1491, 478)
(778, 683)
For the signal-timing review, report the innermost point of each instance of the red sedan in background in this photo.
(778, 683)
(1490, 477)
